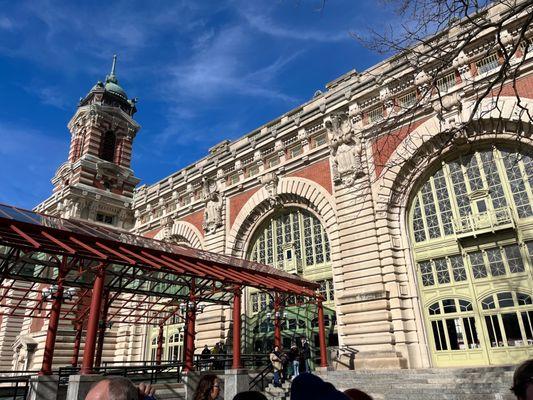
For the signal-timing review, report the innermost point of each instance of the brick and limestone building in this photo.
(422, 241)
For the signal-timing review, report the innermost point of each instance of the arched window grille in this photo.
(293, 239)
(107, 146)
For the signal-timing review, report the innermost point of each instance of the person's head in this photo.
(356, 394)
(276, 348)
(113, 388)
(308, 386)
(249, 396)
(523, 381)
(208, 388)
(205, 347)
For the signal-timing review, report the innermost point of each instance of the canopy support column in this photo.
(190, 333)
(53, 323)
(92, 323)
(159, 352)
(101, 330)
(237, 328)
(322, 335)
(77, 343)
(277, 321)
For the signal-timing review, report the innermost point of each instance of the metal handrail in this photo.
(348, 349)
(133, 372)
(19, 384)
(260, 378)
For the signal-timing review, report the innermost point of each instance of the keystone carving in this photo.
(270, 182)
(213, 200)
(345, 148)
(166, 224)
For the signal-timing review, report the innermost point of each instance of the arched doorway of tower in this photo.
(293, 240)
(471, 234)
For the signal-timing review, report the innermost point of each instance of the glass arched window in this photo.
(153, 347)
(453, 325)
(175, 344)
(509, 319)
(107, 146)
(293, 239)
(471, 228)
(473, 192)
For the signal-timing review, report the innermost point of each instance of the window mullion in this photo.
(423, 214)
(437, 206)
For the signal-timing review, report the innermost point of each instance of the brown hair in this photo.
(203, 390)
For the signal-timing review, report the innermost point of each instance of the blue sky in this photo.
(203, 71)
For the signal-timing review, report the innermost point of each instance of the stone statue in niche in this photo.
(270, 181)
(345, 148)
(213, 206)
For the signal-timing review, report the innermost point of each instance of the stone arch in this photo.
(413, 159)
(183, 230)
(428, 143)
(291, 191)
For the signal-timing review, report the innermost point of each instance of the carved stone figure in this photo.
(345, 148)
(270, 181)
(213, 206)
(166, 224)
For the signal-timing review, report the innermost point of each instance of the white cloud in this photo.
(263, 22)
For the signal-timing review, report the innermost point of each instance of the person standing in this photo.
(216, 356)
(275, 360)
(305, 354)
(205, 356)
(294, 359)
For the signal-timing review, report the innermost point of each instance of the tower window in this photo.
(106, 219)
(107, 146)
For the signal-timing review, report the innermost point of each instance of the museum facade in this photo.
(405, 195)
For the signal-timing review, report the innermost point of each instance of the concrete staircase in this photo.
(435, 384)
(278, 393)
(170, 391)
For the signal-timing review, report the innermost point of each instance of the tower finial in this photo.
(114, 64)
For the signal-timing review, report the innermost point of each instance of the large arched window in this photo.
(481, 190)
(107, 146)
(471, 227)
(293, 240)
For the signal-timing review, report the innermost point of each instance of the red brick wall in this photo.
(196, 219)
(384, 146)
(524, 88)
(151, 234)
(237, 202)
(318, 172)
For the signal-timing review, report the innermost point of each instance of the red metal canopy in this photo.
(146, 279)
